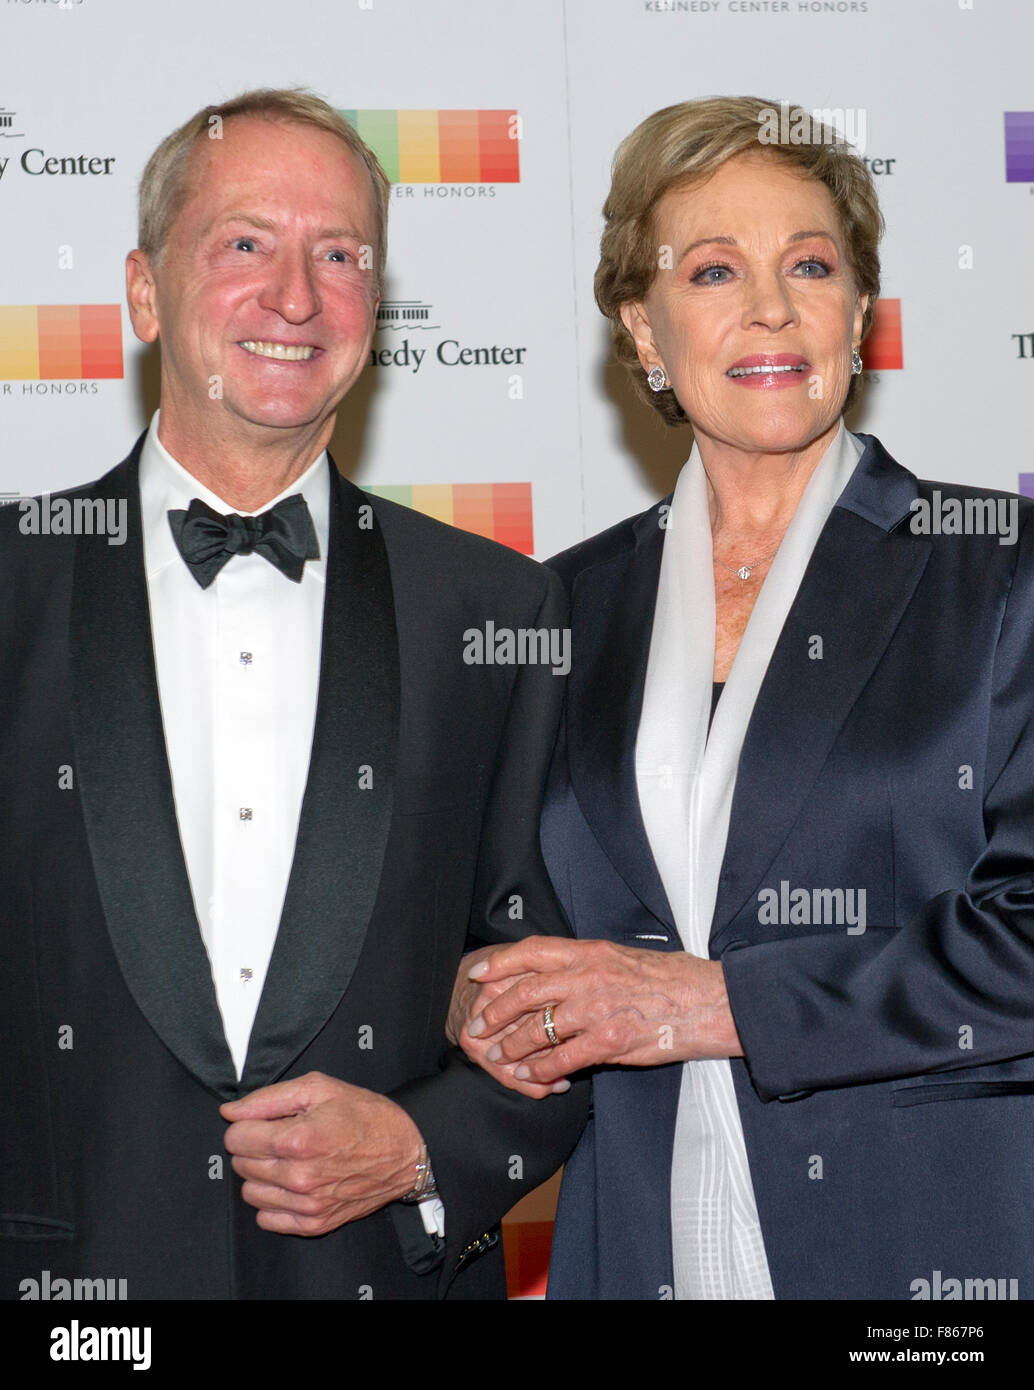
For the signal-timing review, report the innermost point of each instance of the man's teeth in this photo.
(749, 371)
(287, 352)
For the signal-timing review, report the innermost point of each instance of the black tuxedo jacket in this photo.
(114, 1060)
(887, 1091)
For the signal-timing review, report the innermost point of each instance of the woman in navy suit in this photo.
(791, 811)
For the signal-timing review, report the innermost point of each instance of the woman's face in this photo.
(759, 277)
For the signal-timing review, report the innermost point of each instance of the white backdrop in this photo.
(510, 264)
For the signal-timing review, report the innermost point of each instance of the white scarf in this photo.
(685, 781)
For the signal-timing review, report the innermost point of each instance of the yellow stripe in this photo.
(434, 499)
(19, 342)
(418, 147)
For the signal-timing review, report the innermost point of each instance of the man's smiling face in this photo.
(264, 297)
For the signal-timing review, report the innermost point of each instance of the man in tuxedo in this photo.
(255, 802)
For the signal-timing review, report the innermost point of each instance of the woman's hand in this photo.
(612, 1006)
(469, 998)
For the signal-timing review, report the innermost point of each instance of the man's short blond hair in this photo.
(166, 179)
(684, 144)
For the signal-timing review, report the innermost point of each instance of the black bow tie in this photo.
(284, 535)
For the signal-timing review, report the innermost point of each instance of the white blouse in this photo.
(685, 780)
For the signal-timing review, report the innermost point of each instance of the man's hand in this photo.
(612, 1006)
(316, 1152)
(469, 998)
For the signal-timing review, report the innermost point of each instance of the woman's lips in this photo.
(770, 372)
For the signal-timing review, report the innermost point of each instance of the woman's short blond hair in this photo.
(684, 144)
(166, 179)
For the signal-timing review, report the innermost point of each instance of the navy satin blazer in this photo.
(887, 1091)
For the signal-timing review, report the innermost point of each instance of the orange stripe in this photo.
(60, 354)
(459, 147)
(100, 327)
(473, 510)
(500, 149)
(527, 1246)
(882, 350)
(513, 516)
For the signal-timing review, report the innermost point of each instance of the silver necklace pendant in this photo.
(745, 571)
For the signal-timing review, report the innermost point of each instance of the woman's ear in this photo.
(633, 316)
(861, 305)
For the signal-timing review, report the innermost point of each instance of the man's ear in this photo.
(633, 316)
(140, 296)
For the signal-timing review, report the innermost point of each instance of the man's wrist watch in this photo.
(425, 1183)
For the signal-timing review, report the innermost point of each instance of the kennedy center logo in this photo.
(7, 124)
(37, 162)
(405, 313)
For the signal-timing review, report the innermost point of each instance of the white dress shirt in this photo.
(238, 667)
(685, 779)
(238, 673)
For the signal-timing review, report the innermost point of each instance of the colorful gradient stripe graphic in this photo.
(882, 350)
(39, 342)
(500, 511)
(1019, 146)
(527, 1246)
(442, 146)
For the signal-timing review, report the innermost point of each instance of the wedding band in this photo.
(547, 1023)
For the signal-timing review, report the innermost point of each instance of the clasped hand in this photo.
(316, 1152)
(611, 1006)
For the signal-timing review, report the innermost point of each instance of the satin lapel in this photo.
(346, 812)
(126, 794)
(860, 580)
(612, 617)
